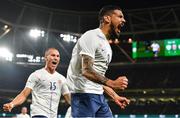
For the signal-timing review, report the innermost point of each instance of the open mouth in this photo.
(122, 24)
(119, 27)
(54, 62)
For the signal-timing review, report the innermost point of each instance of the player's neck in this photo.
(49, 70)
(105, 30)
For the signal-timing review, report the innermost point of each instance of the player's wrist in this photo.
(11, 105)
(109, 83)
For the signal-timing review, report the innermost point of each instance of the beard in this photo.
(112, 33)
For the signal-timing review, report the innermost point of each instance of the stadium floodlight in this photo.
(5, 27)
(6, 54)
(35, 33)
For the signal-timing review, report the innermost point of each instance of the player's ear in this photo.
(107, 18)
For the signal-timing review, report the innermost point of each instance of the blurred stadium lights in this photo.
(116, 41)
(133, 100)
(152, 101)
(29, 58)
(132, 116)
(115, 115)
(130, 40)
(69, 38)
(35, 33)
(145, 115)
(142, 101)
(6, 54)
(5, 29)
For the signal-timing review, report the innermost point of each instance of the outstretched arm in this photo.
(18, 100)
(91, 74)
(120, 101)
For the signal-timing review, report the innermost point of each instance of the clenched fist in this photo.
(8, 107)
(120, 83)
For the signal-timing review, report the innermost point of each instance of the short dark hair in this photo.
(47, 51)
(107, 10)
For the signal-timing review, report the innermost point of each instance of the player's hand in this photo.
(120, 83)
(121, 101)
(8, 107)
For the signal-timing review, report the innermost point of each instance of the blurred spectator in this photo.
(23, 113)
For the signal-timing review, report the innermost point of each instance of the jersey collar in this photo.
(100, 34)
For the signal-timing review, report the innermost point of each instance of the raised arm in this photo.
(18, 100)
(91, 74)
(119, 100)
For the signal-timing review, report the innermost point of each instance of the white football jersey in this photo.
(46, 92)
(23, 116)
(155, 46)
(94, 44)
